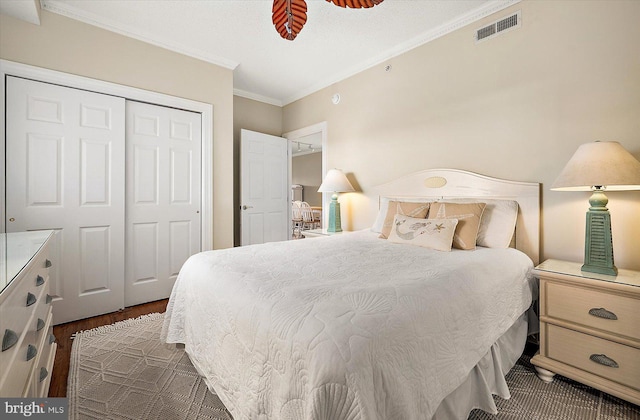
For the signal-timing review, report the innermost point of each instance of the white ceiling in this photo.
(335, 43)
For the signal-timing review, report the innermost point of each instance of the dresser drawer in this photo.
(42, 373)
(41, 312)
(18, 329)
(20, 361)
(594, 309)
(25, 314)
(31, 351)
(14, 313)
(593, 354)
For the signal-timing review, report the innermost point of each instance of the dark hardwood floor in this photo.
(63, 333)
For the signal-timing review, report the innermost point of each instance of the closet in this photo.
(119, 181)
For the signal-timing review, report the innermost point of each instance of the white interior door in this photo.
(264, 179)
(162, 196)
(65, 153)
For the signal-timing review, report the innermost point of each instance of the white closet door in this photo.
(163, 198)
(65, 154)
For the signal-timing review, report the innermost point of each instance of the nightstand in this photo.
(319, 233)
(590, 328)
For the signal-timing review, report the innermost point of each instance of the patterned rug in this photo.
(123, 371)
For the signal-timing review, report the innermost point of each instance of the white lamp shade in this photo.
(605, 164)
(335, 181)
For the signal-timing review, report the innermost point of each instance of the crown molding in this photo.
(485, 10)
(453, 25)
(257, 97)
(72, 12)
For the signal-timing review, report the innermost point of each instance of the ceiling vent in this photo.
(498, 27)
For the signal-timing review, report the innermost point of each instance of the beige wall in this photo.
(514, 107)
(70, 46)
(255, 116)
(306, 170)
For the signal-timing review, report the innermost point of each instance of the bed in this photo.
(358, 327)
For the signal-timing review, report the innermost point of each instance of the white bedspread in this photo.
(345, 327)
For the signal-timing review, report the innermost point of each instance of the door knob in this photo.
(12, 220)
(246, 207)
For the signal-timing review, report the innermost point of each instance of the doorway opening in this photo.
(307, 167)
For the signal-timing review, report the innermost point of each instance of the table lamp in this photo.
(335, 182)
(597, 167)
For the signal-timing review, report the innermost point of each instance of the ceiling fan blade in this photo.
(356, 4)
(289, 16)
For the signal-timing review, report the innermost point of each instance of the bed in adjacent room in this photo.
(359, 327)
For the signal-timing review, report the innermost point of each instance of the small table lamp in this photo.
(597, 167)
(334, 182)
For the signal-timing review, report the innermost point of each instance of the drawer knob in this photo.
(9, 339)
(49, 299)
(43, 374)
(52, 338)
(603, 360)
(31, 352)
(602, 313)
(31, 299)
(39, 281)
(47, 263)
(40, 324)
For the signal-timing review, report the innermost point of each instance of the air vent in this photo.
(498, 27)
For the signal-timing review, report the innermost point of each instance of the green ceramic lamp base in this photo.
(335, 224)
(598, 246)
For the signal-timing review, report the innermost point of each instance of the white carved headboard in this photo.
(436, 184)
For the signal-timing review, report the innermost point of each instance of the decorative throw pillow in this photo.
(384, 206)
(428, 233)
(468, 216)
(498, 222)
(417, 210)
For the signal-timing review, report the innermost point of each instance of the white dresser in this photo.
(28, 344)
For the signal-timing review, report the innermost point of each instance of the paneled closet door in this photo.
(65, 158)
(163, 197)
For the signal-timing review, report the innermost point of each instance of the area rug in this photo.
(123, 371)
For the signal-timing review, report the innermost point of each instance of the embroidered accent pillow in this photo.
(468, 216)
(417, 210)
(428, 233)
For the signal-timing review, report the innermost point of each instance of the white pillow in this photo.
(498, 221)
(384, 206)
(428, 233)
(382, 214)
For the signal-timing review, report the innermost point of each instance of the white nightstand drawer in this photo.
(604, 358)
(593, 308)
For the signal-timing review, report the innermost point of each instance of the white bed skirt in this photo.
(487, 378)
